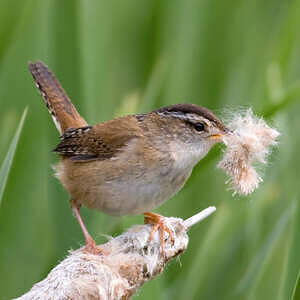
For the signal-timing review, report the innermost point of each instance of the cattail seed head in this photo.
(248, 142)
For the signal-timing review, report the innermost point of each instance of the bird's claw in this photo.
(159, 225)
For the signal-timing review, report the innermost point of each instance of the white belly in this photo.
(139, 195)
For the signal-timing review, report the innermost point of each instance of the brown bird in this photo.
(129, 165)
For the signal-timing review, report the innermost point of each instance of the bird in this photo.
(128, 165)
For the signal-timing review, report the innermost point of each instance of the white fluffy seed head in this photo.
(249, 142)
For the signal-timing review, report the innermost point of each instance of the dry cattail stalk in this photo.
(129, 261)
(248, 143)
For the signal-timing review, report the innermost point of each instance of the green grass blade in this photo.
(291, 95)
(155, 84)
(258, 263)
(296, 292)
(6, 165)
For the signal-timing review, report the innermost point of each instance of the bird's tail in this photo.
(62, 110)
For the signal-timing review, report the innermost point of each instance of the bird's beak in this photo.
(217, 136)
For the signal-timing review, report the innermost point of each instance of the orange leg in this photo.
(90, 244)
(158, 225)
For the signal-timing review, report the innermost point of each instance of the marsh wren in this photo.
(129, 165)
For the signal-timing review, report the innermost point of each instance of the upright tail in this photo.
(62, 110)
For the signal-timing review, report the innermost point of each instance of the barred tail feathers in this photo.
(62, 110)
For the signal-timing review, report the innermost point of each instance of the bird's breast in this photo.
(118, 190)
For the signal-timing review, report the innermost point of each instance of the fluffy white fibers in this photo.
(249, 142)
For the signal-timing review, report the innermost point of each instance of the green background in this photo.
(116, 57)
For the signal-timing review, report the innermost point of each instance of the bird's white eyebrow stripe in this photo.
(175, 114)
(189, 117)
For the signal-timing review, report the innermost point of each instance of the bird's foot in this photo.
(91, 247)
(159, 225)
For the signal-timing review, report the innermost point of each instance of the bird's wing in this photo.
(98, 142)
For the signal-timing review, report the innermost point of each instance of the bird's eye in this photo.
(199, 126)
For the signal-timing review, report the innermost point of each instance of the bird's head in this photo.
(191, 129)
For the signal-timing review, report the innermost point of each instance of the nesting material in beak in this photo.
(248, 142)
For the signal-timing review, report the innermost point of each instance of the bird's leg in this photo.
(90, 244)
(158, 223)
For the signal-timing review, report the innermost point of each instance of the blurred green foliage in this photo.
(7, 163)
(117, 57)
